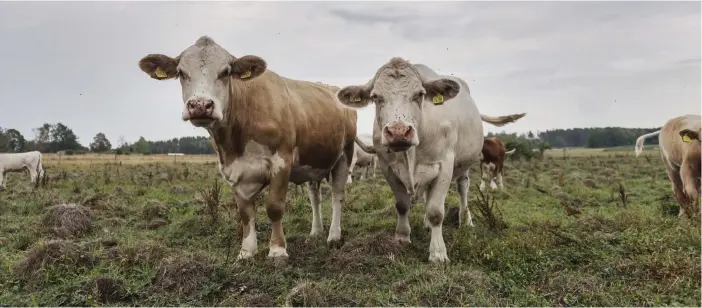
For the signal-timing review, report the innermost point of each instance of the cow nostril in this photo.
(190, 105)
(209, 104)
(409, 131)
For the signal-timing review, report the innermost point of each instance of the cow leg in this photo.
(275, 208)
(484, 175)
(403, 202)
(33, 174)
(313, 192)
(338, 174)
(690, 187)
(677, 186)
(374, 165)
(3, 180)
(247, 213)
(353, 165)
(463, 185)
(499, 180)
(436, 198)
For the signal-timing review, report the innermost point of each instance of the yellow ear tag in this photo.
(355, 99)
(160, 73)
(438, 99)
(245, 75)
(686, 139)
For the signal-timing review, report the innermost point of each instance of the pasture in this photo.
(149, 230)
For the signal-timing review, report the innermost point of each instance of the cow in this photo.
(679, 143)
(18, 162)
(492, 162)
(427, 132)
(267, 130)
(363, 159)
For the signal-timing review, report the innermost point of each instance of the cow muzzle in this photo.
(199, 111)
(399, 136)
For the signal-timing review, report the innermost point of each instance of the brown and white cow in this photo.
(268, 130)
(493, 161)
(363, 159)
(427, 132)
(679, 142)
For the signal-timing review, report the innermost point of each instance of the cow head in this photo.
(205, 71)
(398, 92)
(689, 135)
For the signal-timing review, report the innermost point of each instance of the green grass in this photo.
(152, 241)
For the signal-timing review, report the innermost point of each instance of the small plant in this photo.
(623, 197)
(487, 212)
(212, 199)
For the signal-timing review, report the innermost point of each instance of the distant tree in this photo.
(4, 141)
(17, 143)
(142, 146)
(42, 137)
(63, 138)
(100, 143)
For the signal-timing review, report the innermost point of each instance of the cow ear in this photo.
(248, 67)
(441, 90)
(159, 66)
(354, 96)
(689, 135)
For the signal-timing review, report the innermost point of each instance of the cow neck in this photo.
(230, 134)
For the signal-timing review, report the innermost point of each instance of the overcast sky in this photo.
(567, 64)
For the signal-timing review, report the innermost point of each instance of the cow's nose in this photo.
(398, 133)
(200, 107)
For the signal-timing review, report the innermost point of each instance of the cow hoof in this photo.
(438, 258)
(279, 261)
(245, 254)
(403, 240)
(464, 224)
(337, 243)
(277, 252)
(316, 232)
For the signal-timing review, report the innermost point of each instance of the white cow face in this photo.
(398, 92)
(205, 71)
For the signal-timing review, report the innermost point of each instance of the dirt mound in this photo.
(68, 220)
(106, 290)
(305, 294)
(51, 253)
(137, 254)
(181, 275)
(154, 209)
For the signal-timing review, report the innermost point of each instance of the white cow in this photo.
(427, 133)
(362, 159)
(17, 162)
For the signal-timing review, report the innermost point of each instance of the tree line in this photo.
(52, 138)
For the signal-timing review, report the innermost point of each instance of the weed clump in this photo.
(51, 253)
(105, 290)
(305, 294)
(181, 275)
(154, 210)
(590, 183)
(68, 220)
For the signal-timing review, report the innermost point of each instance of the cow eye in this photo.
(418, 97)
(376, 98)
(182, 75)
(223, 74)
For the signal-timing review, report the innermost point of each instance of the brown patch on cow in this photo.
(248, 67)
(446, 87)
(493, 152)
(151, 62)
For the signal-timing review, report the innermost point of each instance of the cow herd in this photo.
(269, 130)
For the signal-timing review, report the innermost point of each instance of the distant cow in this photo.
(267, 130)
(362, 159)
(427, 133)
(679, 143)
(492, 162)
(18, 162)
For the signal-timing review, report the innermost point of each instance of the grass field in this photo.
(148, 231)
